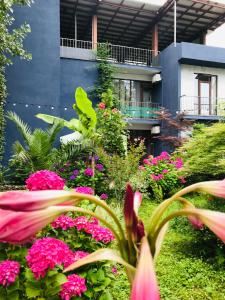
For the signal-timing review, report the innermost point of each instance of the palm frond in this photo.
(53, 130)
(23, 127)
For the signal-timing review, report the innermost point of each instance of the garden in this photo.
(100, 218)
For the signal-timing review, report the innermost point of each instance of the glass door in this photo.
(204, 97)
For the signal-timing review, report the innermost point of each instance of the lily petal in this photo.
(137, 201)
(145, 283)
(30, 201)
(215, 188)
(20, 227)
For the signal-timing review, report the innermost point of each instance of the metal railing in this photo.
(202, 106)
(118, 53)
(137, 109)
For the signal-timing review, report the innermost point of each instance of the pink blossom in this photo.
(114, 270)
(9, 270)
(146, 162)
(157, 177)
(75, 286)
(45, 254)
(94, 221)
(44, 180)
(164, 155)
(99, 167)
(154, 161)
(81, 223)
(75, 256)
(63, 222)
(165, 171)
(101, 105)
(104, 196)
(182, 179)
(178, 163)
(99, 233)
(88, 172)
(141, 168)
(84, 190)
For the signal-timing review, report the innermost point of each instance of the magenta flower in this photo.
(182, 179)
(146, 162)
(114, 270)
(164, 155)
(63, 222)
(9, 270)
(104, 196)
(99, 167)
(44, 180)
(165, 171)
(88, 172)
(73, 257)
(75, 286)
(81, 223)
(178, 163)
(141, 168)
(45, 254)
(84, 190)
(99, 233)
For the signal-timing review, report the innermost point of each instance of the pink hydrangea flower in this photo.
(154, 161)
(104, 196)
(99, 167)
(81, 222)
(178, 163)
(164, 155)
(44, 180)
(94, 221)
(146, 162)
(84, 190)
(75, 256)
(165, 171)
(45, 254)
(88, 172)
(75, 286)
(99, 233)
(9, 270)
(63, 222)
(157, 177)
(141, 168)
(114, 270)
(182, 179)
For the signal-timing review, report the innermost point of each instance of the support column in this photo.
(94, 32)
(203, 38)
(155, 41)
(75, 29)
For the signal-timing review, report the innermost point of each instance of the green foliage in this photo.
(120, 169)
(204, 153)
(86, 122)
(11, 44)
(35, 153)
(111, 124)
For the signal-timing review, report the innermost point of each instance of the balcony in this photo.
(140, 110)
(116, 53)
(201, 106)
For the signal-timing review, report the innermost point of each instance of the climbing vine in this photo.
(111, 124)
(11, 44)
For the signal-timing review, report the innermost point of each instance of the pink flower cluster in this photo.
(89, 172)
(45, 254)
(75, 286)
(9, 270)
(84, 190)
(63, 222)
(157, 177)
(99, 233)
(44, 180)
(73, 257)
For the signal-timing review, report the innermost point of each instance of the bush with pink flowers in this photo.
(44, 180)
(162, 174)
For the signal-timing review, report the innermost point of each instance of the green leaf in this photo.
(32, 292)
(106, 296)
(61, 278)
(50, 119)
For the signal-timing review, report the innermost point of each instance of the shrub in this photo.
(120, 169)
(203, 151)
(161, 173)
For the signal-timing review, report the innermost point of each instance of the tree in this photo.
(11, 44)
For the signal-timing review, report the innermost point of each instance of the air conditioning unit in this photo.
(155, 130)
(156, 78)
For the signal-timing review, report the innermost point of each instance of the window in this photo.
(207, 94)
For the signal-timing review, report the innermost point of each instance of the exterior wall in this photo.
(75, 73)
(36, 82)
(188, 82)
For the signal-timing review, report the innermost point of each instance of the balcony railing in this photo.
(118, 53)
(201, 106)
(143, 110)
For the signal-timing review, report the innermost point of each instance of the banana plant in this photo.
(86, 122)
(22, 214)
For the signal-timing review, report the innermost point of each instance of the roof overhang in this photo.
(130, 22)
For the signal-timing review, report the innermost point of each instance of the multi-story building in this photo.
(160, 57)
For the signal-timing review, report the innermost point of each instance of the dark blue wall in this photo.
(75, 73)
(35, 82)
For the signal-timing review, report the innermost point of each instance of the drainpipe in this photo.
(175, 23)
